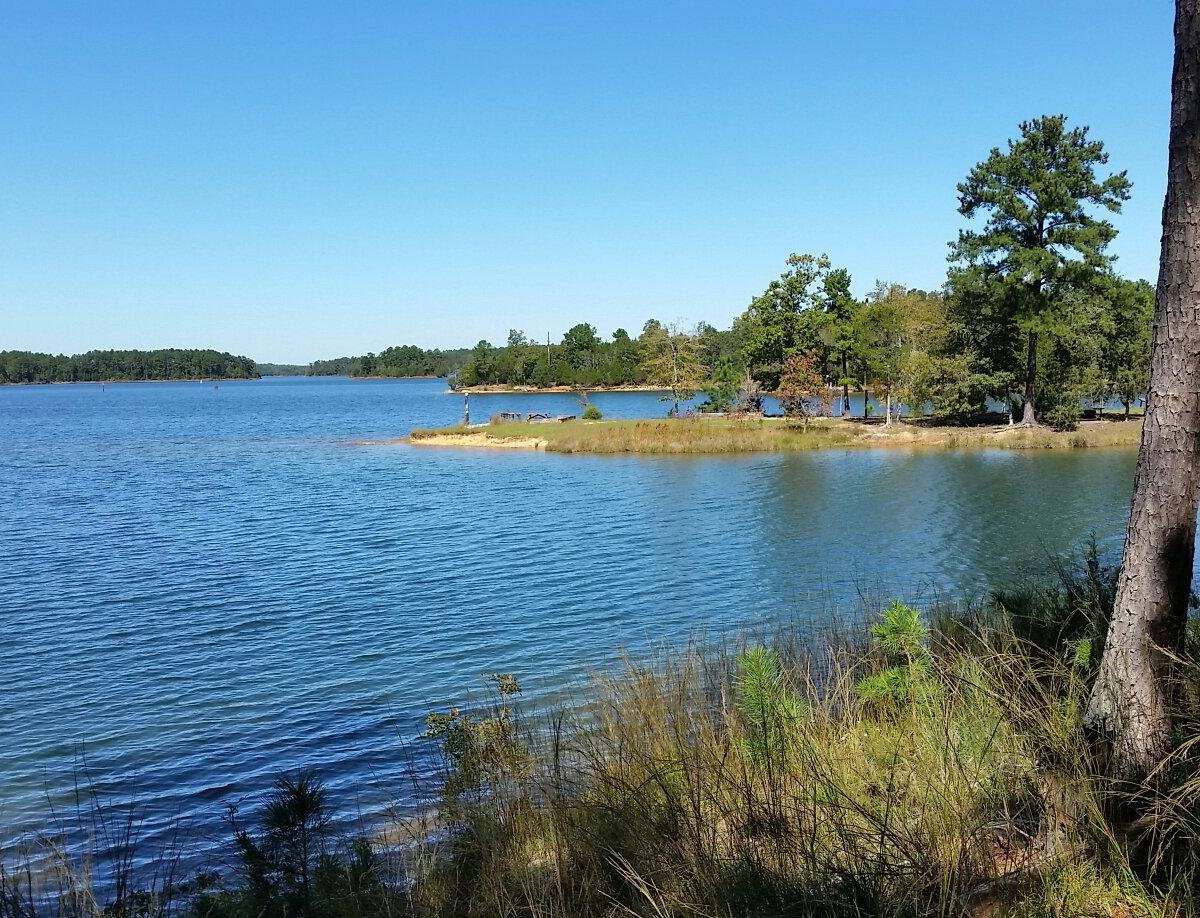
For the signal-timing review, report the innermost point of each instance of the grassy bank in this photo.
(923, 766)
(904, 770)
(726, 435)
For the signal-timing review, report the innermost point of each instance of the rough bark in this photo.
(1028, 417)
(1130, 706)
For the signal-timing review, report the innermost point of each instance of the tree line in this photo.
(1032, 315)
(98, 366)
(404, 360)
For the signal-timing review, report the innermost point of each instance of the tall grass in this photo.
(917, 772)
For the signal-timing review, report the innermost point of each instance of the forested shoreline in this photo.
(404, 360)
(1032, 315)
(17, 367)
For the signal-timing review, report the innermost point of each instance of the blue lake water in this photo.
(202, 585)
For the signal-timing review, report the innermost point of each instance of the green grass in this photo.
(702, 435)
(769, 781)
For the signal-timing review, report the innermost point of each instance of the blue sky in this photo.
(295, 181)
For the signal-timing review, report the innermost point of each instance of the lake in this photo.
(202, 585)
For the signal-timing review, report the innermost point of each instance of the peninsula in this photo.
(716, 435)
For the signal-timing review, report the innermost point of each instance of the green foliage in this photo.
(902, 638)
(592, 413)
(786, 319)
(768, 708)
(980, 799)
(293, 863)
(1040, 239)
(96, 366)
(1036, 195)
(483, 753)
(405, 360)
(722, 386)
(671, 358)
(581, 346)
(901, 634)
(1125, 349)
(1067, 618)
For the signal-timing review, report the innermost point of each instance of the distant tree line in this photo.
(96, 366)
(282, 369)
(405, 360)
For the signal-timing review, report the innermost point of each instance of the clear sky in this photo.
(295, 181)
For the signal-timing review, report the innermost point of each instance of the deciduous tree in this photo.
(782, 321)
(801, 386)
(671, 359)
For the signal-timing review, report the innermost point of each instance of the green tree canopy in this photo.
(783, 321)
(1039, 237)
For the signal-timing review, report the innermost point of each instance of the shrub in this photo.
(295, 864)
(483, 753)
(769, 710)
(592, 413)
(1062, 414)
(722, 386)
(902, 638)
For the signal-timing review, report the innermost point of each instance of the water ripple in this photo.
(201, 587)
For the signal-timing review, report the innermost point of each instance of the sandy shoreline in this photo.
(479, 440)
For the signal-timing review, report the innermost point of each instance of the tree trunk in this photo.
(887, 421)
(845, 386)
(1130, 707)
(1028, 418)
(1126, 409)
(866, 400)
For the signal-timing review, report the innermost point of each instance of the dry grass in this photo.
(705, 435)
(967, 788)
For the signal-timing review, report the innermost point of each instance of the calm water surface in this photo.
(202, 585)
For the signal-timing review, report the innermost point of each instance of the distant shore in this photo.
(549, 390)
(715, 435)
(105, 382)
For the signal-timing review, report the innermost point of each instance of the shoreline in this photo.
(501, 388)
(716, 436)
(113, 382)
